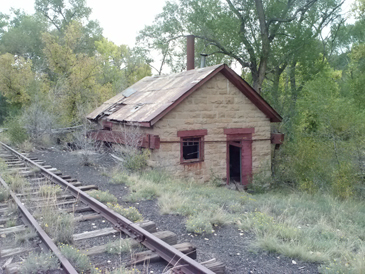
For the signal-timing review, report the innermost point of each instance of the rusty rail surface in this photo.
(66, 265)
(181, 263)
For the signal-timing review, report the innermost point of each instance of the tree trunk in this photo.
(265, 46)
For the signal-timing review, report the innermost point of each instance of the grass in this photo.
(22, 238)
(79, 261)
(124, 270)
(60, 226)
(103, 196)
(10, 223)
(130, 213)
(50, 190)
(39, 263)
(315, 228)
(4, 194)
(16, 182)
(118, 247)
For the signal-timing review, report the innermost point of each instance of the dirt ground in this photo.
(228, 246)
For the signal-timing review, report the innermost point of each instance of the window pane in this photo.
(191, 148)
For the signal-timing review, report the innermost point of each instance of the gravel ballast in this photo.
(227, 246)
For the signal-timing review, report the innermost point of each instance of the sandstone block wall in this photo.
(217, 105)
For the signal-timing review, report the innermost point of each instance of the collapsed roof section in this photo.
(151, 98)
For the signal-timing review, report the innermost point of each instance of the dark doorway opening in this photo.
(234, 163)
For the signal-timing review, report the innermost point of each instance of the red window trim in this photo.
(192, 133)
(183, 134)
(239, 130)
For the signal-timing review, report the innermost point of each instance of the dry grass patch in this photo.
(103, 196)
(39, 263)
(315, 228)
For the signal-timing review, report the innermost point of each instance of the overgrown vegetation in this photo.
(39, 263)
(130, 213)
(79, 261)
(119, 246)
(103, 196)
(311, 227)
(49, 190)
(16, 182)
(4, 194)
(60, 226)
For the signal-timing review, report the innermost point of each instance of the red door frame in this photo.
(244, 136)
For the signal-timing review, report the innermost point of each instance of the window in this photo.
(191, 145)
(191, 148)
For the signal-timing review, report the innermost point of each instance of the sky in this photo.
(121, 20)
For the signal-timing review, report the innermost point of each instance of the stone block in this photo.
(209, 115)
(229, 99)
(216, 99)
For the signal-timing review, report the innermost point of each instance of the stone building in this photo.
(197, 123)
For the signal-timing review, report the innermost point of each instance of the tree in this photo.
(15, 77)
(74, 75)
(61, 13)
(23, 37)
(255, 33)
(121, 66)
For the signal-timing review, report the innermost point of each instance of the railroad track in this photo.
(45, 189)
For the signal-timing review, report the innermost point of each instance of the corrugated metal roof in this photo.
(151, 98)
(147, 98)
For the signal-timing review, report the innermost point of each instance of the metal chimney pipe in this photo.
(190, 52)
(203, 59)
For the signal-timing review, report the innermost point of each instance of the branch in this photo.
(225, 51)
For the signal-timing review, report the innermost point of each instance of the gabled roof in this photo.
(151, 98)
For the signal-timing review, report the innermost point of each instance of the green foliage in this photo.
(325, 143)
(118, 247)
(79, 261)
(136, 160)
(199, 224)
(15, 78)
(39, 263)
(24, 238)
(50, 190)
(119, 178)
(123, 270)
(16, 131)
(10, 223)
(103, 196)
(60, 226)
(16, 182)
(122, 66)
(130, 213)
(4, 194)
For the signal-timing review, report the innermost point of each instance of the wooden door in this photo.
(243, 142)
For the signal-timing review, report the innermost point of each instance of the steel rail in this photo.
(66, 265)
(181, 263)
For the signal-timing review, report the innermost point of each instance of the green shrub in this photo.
(123, 270)
(39, 263)
(130, 213)
(3, 165)
(59, 225)
(79, 261)
(199, 224)
(103, 196)
(50, 190)
(10, 223)
(4, 194)
(118, 247)
(16, 182)
(21, 238)
(119, 178)
(16, 132)
(137, 160)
